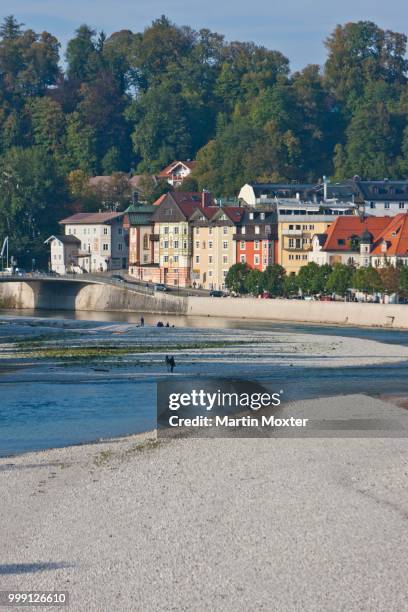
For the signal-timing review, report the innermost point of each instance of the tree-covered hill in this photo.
(134, 101)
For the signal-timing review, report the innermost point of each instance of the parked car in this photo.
(118, 278)
(160, 287)
(216, 293)
(326, 298)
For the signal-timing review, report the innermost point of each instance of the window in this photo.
(256, 229)
(120, 246)
(176, 244)
(197, 230)
(341, 241)
(210, 244)
(291, 243)
(176, 230)
(184, 244)
(401, 205)
(256, 245)
(145, 258)
(145, 241)
(225, 230)
(290, 257)
(166, 244)
(166, 258)
(225, 259)
(256, 260)
(166, 230)
(209, 272)
(175, 258)
(243, 259)
(297, 243)
(242, 230)
(225, 245)
(372, 204)
(311, 227)
(105, 231)
(298, 227)
(210, 231)
(210, 259)
(386, 204)
(120, 231)
(197, 259)
(197, 244)
(242, 245)
(105, 247)
(224, 273)
(291, 226)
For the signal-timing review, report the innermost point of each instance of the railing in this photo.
(132, 285)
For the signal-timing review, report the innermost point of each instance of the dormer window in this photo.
(251, 215)
(262, 215)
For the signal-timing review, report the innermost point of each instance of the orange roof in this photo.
(345, 227)
(159, 200)
(168, 169)
(394, 239)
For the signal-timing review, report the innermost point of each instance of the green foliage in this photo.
(273, 280)
(236, 278)
(291, 285)
(366, 280)
(339, 279)
(403, 280)
(390, 279)
(254, 282)
(312, 278)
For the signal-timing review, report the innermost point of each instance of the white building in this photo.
(64, 250)
(102, 243)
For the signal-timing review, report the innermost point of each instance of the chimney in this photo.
(325, 188)
(205, 198)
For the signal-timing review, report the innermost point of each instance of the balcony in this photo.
(292, 232)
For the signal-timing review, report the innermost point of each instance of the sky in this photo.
(297, 28)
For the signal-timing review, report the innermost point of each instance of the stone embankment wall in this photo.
(68, 295)
(338, 313)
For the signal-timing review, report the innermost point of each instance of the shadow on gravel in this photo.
(29, 568)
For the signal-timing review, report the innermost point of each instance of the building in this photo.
(214, 250)
(176, 172)
(348, 240)
(381, 198)
(172, 237)
(103, 241)
(256, 239)
(64, 253)
(391, 247)
(137, 220)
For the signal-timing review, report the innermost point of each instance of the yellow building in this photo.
(214, 248)
(295, 235)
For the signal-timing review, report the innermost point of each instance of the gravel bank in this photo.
(221, 524)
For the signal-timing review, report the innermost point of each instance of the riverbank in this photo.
(83, 295)
(234, 524)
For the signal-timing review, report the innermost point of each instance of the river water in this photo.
(42, 414)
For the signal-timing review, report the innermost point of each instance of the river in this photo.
(38, 414)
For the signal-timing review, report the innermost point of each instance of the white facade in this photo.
(62, 253)
(383, 209)
(103, 245)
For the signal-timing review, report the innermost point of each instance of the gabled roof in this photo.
(189, 165)
(395, 235)
(69, 239)
(177, 206)
(91, 218)
(346, 227)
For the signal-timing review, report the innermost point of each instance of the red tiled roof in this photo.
(159, 200)
(188, 208)
(234, 212)
(345, 227)
(90, 218)
(168, 169)
(395, 235)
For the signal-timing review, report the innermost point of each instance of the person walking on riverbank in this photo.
(141, 321)
(172, 364)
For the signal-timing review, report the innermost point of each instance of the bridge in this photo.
(84, 292)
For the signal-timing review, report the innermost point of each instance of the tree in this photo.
(339, 279)
(390, 279)
(273, 280)
(32, 199)
(254, 282)
(291, 285)
(366, 280)
(236, 277)
(403, 280)
(312, 278)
